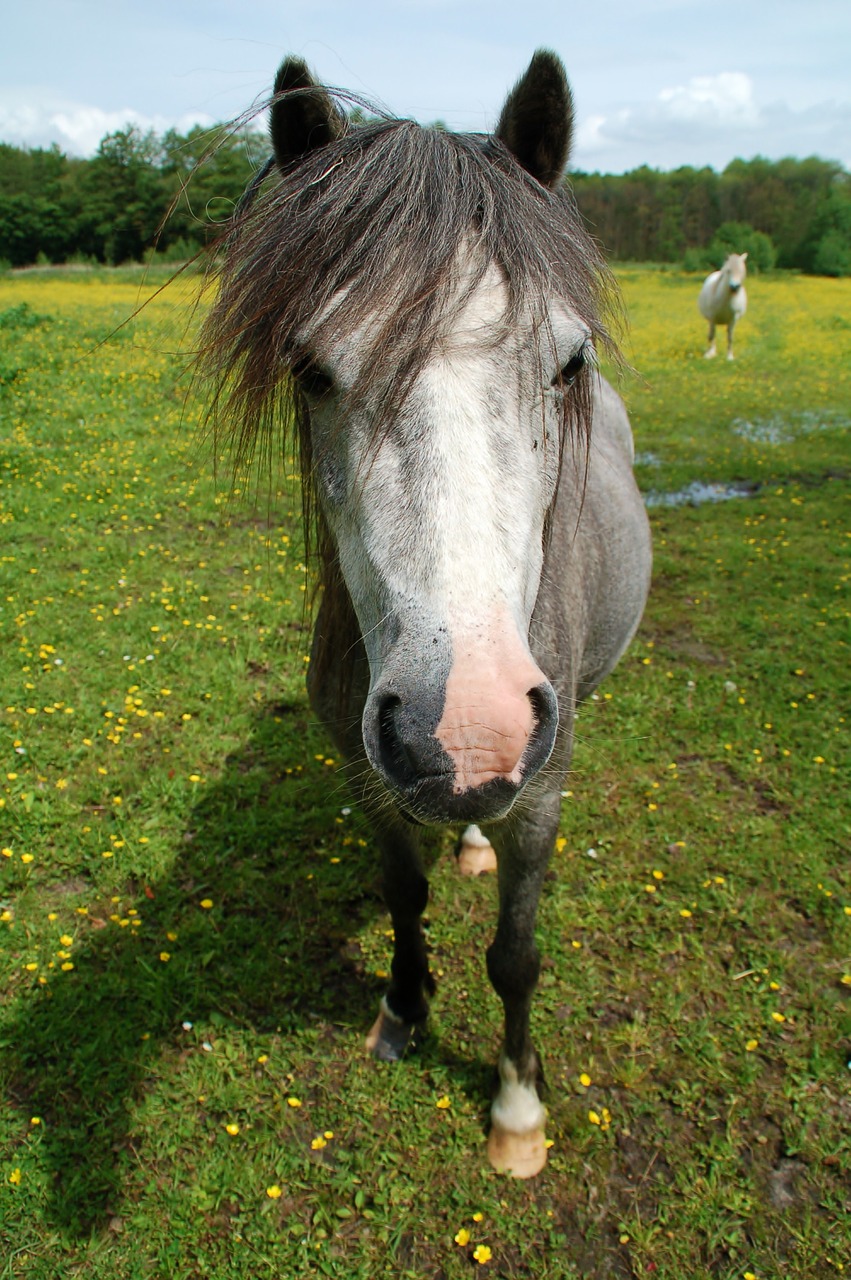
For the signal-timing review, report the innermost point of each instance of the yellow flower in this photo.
(585, 1079)
(232, 1129)
(318, 1143)
(593, 1117)
(165, 956)
(779, 1017)
(273, 1192)
(293, 1102)
(482, 1254)
(206, 903)
(443, 1102)
(478, 1217)
(462, 1237)
(750, 1045)
(15, 1177)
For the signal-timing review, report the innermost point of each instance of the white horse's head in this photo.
(435, 302)
(734, 271)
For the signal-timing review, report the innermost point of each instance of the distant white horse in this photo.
(723, 299)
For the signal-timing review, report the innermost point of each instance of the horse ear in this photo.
(537, 120)
(303, 115)
(744, 256)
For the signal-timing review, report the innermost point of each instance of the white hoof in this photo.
(476, 854)
(710, 354)
(522, 1155)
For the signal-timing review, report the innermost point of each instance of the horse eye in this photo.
(312, 379)
(571, 371)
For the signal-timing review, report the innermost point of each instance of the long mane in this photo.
(382, 213)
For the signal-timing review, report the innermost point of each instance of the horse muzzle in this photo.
(463, 762)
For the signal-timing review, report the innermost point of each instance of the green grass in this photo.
(192, 934)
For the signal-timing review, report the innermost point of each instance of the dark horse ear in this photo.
(301, 121)
(537, 120)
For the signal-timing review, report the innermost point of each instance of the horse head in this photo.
(437, 510)
(735, 271)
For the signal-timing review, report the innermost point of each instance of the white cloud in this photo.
(74, 126)
(726, 98)
(709, 120)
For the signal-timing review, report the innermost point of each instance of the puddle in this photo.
(698, 493)
(783, 430)
(648, 460)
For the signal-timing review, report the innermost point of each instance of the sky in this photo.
(661, 82)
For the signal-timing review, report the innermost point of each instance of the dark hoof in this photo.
(389, 1037)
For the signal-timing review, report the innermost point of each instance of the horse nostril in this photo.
(542, 738)
(391, 750)
(544, 706)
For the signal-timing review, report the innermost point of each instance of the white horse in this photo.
(723, 299)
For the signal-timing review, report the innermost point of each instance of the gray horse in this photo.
(421, 311)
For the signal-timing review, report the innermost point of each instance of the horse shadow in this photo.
(276, 951)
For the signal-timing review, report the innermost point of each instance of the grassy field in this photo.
(192, 941)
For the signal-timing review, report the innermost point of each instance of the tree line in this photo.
(142, 193)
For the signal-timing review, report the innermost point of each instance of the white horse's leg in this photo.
(710, 350)
(730, 327)
(475, 853)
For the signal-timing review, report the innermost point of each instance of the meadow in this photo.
(192, 941)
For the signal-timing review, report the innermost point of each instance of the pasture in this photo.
(193, 941)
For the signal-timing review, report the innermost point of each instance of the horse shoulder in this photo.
(707, 300)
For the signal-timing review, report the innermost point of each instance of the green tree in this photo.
(205, 172)
(124, 199)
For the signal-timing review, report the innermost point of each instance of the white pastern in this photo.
(517, 1107)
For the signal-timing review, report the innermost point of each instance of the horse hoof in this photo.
(388, 1037)
(522, 1155)
(475, 853)
(709, 355)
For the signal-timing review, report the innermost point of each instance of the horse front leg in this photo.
(710, 350)
(404, 1007)
(730, 327)
(516, 1143)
